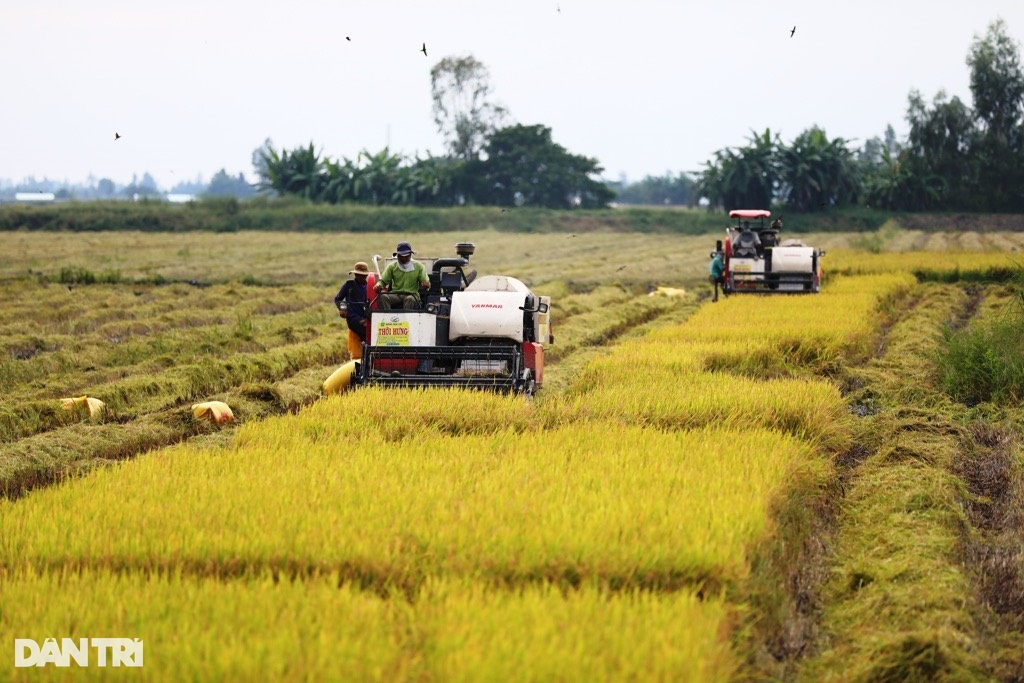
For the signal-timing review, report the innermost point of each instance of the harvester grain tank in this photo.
(485, 332)
(757, 260)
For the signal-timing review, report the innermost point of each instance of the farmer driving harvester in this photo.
(403, 279)
(453, 330)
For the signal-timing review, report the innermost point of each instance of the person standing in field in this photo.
(403, 279)
(717, 274)
(351, 302)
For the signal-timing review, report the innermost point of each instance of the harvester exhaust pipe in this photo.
(449, 263)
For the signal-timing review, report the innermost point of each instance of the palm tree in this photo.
(744, 178)
(300, 172)
(816, 172)
(375, 180)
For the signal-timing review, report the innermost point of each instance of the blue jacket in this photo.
(354, 294)
(717, 268)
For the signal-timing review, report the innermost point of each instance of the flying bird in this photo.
(792, 32)
(424, 49)
(620, 268)
(117, 136)
(347, 38)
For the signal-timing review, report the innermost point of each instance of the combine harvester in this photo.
(756, 261)
(484, 332)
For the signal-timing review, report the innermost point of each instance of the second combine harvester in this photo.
(756, 260)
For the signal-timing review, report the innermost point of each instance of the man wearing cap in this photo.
(403, 280)
(351, 303)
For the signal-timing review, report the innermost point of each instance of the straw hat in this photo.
(360, 269)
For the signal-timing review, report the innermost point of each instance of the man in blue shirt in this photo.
(351, 302)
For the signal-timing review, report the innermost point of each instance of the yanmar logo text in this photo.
(488, 305)
(108, 652)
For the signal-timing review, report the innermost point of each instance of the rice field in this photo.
(451, 630)
(614, 528)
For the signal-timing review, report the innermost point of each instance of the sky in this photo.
(646, 87)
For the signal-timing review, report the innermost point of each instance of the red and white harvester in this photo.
(485, 332)
(757, 261)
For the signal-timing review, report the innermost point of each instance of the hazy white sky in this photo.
(645, 86)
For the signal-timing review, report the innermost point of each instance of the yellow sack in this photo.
(668, 291)
(216, 412)
(93, 406)
(340, 380)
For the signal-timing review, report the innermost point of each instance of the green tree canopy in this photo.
(938, 155)
(997, 81)
(997, 89)
(743, 178)
(524, 167)
(464, 114)
(815, 172)
(300, 172)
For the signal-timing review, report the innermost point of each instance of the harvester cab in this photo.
(477, 332)
(756, 260)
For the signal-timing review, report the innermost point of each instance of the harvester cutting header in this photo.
(485, 332)
(756, 260)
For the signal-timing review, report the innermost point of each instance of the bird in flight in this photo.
(792, 32)
(424, 49)
(620, 268)
(117, 136)
(347, 38)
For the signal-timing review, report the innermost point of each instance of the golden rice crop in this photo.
(451, 630)
(398, 415)
(840, 315)
(520, 534)
(813, 410)
(628, 505)
(853, 262)
(766, 337)
(664, 379)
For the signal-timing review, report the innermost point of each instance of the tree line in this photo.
(221, 185)
(487, 162)
(520, 166)
(956, 157)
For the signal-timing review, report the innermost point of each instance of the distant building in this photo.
(178, 198)
(34, 197)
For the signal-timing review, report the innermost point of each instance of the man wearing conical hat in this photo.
(351, 302)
